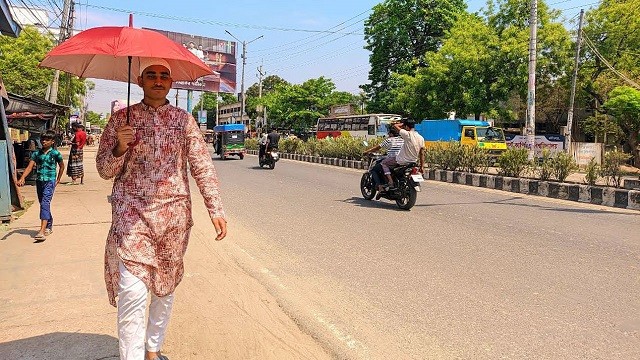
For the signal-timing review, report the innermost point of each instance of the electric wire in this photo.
(608, 64)
(210, 22)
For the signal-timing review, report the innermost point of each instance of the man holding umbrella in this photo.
(147, 156)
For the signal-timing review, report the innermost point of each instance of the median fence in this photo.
(599, 195)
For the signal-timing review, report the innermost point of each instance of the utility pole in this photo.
(176, 97)
(567, 139)
(530, 130)
(217, 109)
(244, 62)
(66, 28)
(260, 75)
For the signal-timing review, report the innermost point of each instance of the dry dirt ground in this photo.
(53, 302)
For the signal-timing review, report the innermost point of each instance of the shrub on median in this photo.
(612, 167)
(514, 162)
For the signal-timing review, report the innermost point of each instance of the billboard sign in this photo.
(553, 143)
(219, 55)
(202, 116)
(117, 105)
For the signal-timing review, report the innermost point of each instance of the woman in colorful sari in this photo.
(75, 169)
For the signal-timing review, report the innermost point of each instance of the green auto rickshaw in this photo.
(229, 140)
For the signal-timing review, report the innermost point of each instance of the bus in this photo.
(366, 125)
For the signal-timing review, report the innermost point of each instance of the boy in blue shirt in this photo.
(46, 179)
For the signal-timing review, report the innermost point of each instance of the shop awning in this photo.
(32, 114)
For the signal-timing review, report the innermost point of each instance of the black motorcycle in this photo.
(270, 158)
(406, 178)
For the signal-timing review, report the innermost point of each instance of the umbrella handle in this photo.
(129, 90)
(134, 142)
(137, 140)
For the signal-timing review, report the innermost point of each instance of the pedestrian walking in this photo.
(151, 208)
(75, 168)
(45, 161)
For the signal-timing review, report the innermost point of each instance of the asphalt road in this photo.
(468, 273)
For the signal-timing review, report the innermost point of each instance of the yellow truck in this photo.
(474, 133)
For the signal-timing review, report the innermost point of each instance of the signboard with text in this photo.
(202, 116)
(219, 55)
(553, 143)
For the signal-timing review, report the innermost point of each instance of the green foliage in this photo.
(291, 145)
(269, 84)
(514, 162)
(624, 106)
(563, 166)
(398, 34)
(95, 118)
(22, 75)
(454, 156)
(480, 67)
(252, 144)
(592, 172)
(611, 167)
(475, 159)
(545, 166)
(20, 59)
(341, 147)
(299, 106)
(600, 125)
(614, 28)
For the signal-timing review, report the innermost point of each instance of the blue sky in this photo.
(291, 47)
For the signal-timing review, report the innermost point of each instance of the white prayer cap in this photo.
(146, 62)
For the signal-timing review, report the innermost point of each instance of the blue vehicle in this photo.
(474, 133)
(229, 140)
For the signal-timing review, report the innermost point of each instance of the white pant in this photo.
(132, 301)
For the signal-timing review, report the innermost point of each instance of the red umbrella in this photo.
(104, 52)
(114, 53)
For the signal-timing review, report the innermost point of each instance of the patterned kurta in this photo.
(151, 204)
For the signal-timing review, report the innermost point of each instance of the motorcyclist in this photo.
(412, 150)
(272, 140)
(393, 143)
(263, 145)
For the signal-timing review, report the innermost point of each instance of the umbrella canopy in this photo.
(103, 53)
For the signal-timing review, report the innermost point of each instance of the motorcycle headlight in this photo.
(274, 155)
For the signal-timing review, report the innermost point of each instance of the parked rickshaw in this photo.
(229, 140)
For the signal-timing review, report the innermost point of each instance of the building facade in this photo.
(230, 114)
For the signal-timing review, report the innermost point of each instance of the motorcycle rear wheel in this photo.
(367, 187)
(272, 164)
(408, 197)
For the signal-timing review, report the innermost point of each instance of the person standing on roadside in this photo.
(46, 160)
(75, 168)
(151, 208)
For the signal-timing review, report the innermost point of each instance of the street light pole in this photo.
(530, 130)
(244, 62)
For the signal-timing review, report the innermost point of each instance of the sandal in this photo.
(40, 237)
(48, 232)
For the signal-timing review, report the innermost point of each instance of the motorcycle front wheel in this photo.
(272, 164)
(367, 187)
(408, 197)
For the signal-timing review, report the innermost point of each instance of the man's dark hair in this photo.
(393, 131)
(48, 135)
(409, 123)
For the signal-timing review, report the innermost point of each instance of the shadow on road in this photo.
(511, 202)
(385, 205)
(62, 346)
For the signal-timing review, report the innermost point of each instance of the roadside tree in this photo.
(22, 75)
(398, 34)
